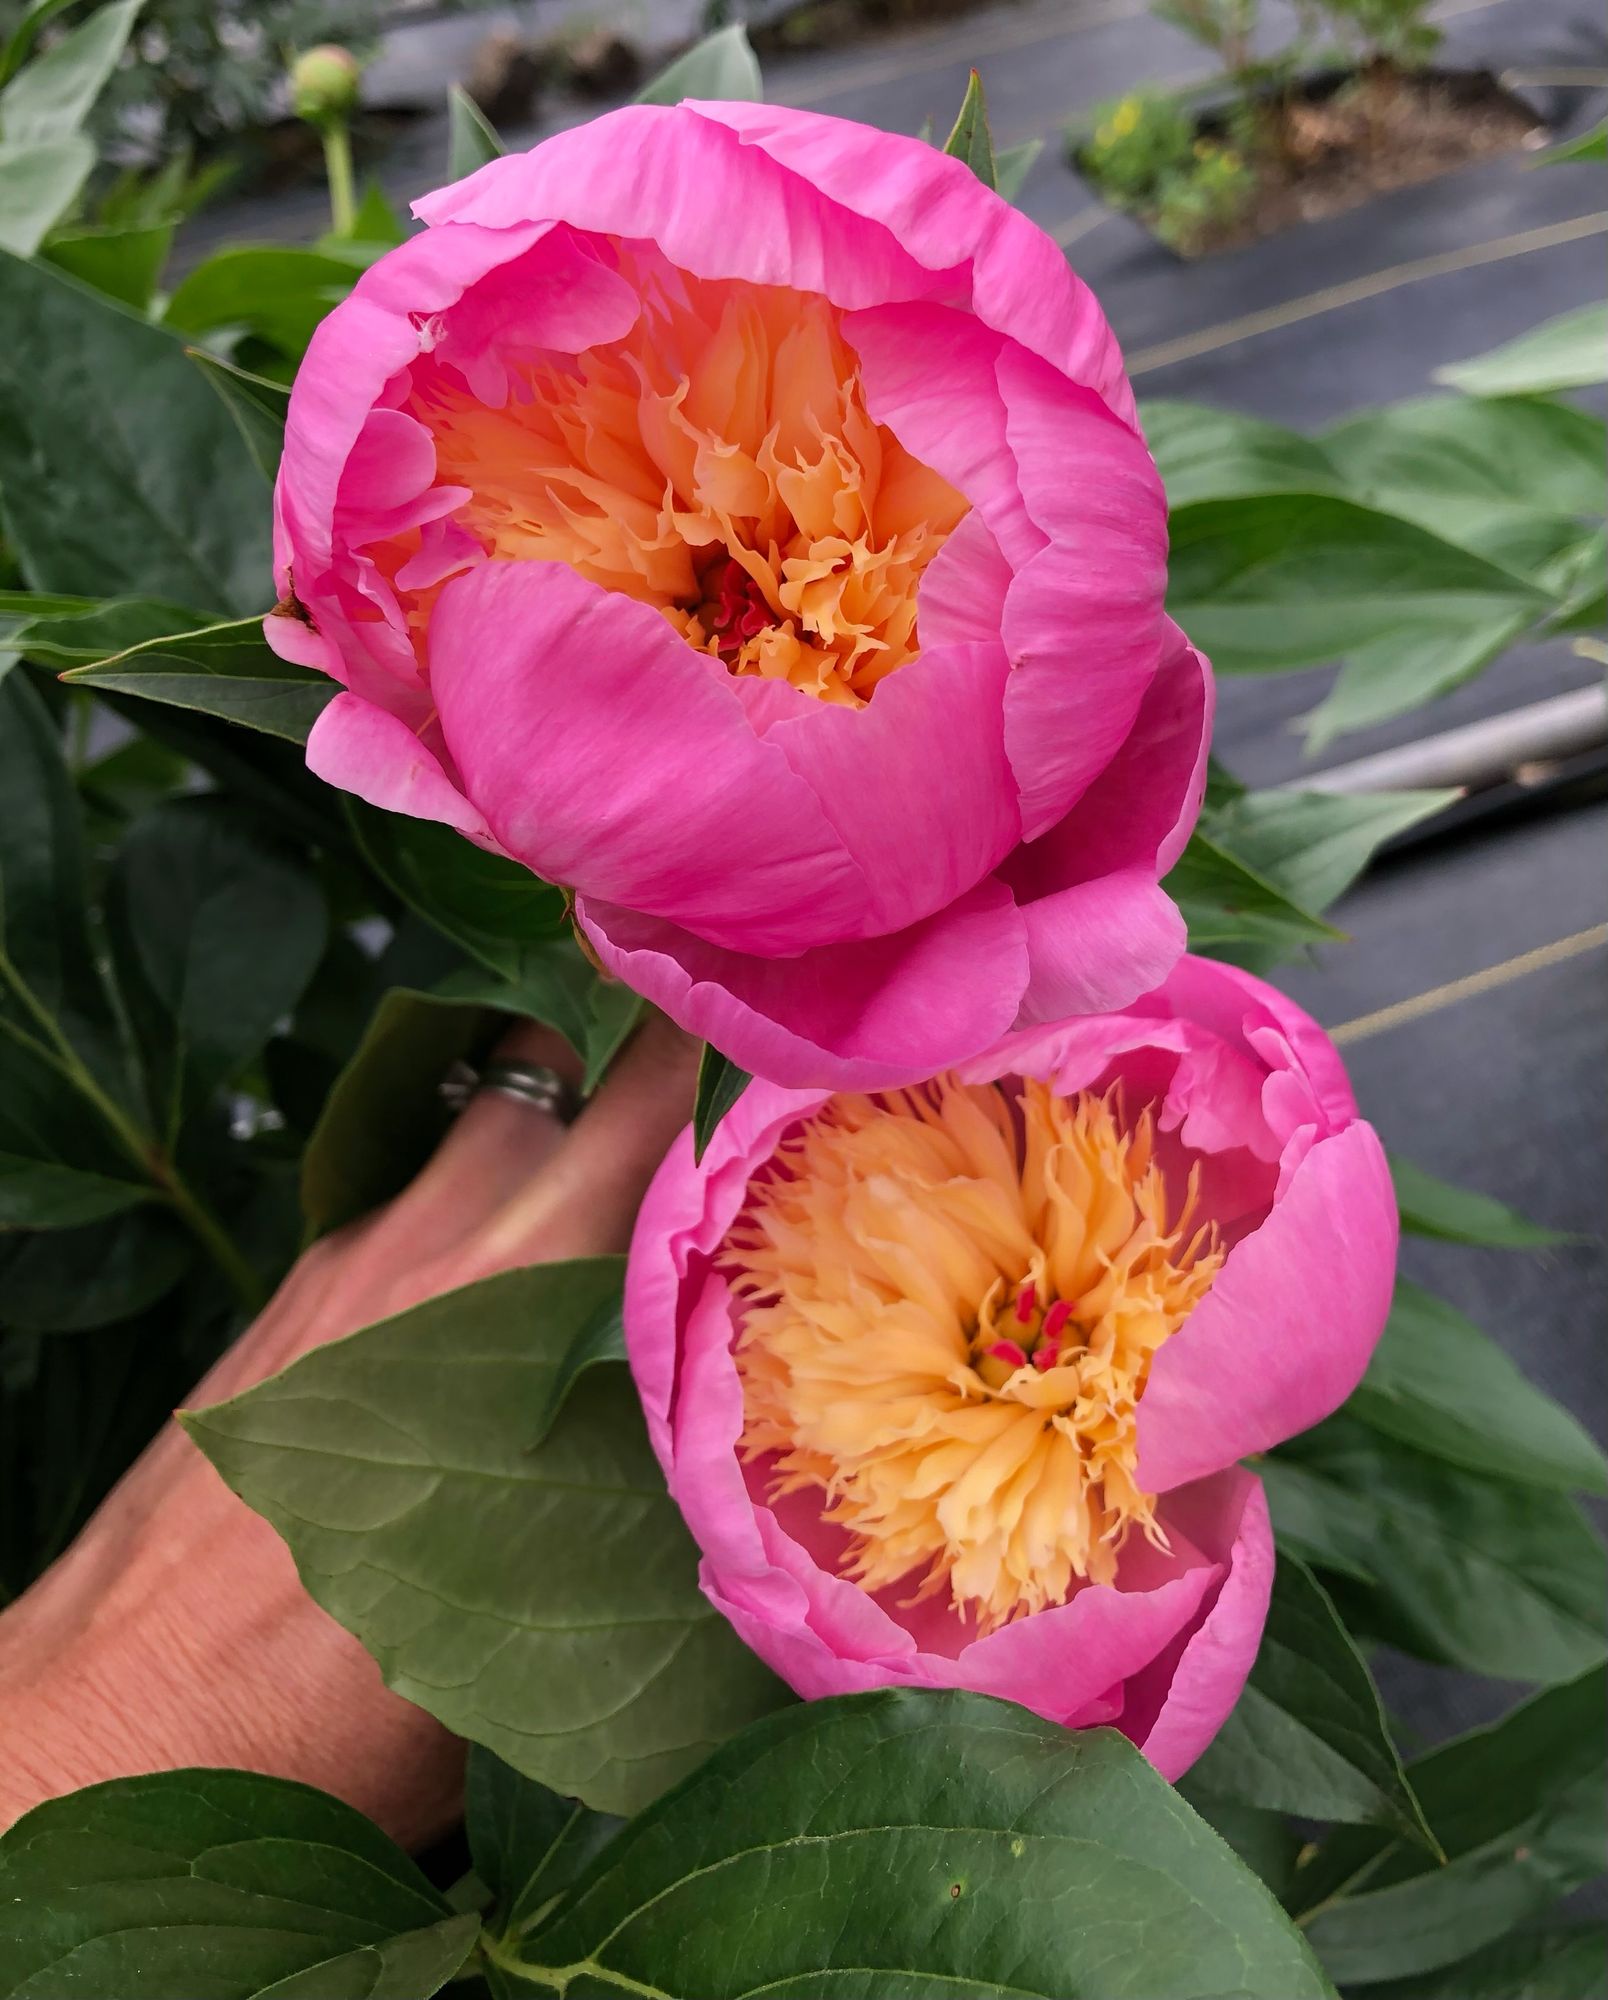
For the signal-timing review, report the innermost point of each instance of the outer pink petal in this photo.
(1287, 1329)
(611, 757)
(1238, 1004)
(1177, 1704)
(915, 784)
(859, 1016)
(366, 750)
(1083, 621)
(713, 206)
(961, 597)
(1096, 946)
(1021, 283)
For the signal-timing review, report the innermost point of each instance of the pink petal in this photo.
(961, 599)
(1020, 281)
(1287, 1329)
(1083, 621)
(1096, 946)
(1177, 1704)
(915, 784)
(366, 750)
(858, 1016)
(611, 757)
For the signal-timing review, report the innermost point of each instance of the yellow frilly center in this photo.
(719, 463)
(951, 1297)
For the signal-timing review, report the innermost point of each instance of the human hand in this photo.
(175, 1631)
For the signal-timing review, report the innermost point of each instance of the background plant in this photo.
(179, 1110)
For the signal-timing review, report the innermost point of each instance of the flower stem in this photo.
(338, 166)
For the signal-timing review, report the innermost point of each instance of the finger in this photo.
(586, 1200)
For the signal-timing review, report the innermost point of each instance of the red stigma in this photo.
(1007, 1350)
(1055, 1319)
(1026, 1302)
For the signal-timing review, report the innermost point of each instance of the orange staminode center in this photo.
(952, 1296)
(719, 463)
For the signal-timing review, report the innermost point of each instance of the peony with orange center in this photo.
(717, 462)
(952, 1296)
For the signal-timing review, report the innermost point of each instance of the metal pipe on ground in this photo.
(1498, 751)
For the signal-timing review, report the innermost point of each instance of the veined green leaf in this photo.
(970, 139)
(1431, 1207)
(1569, 352)
(720, 1084)
(722, 65)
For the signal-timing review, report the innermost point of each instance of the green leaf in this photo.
(278, 293)
(1447, 463)
(1519, 1811)
(1477, 1572)
(44, 1194)
(39, 182)
(542, 1601)
(51, 991)
(1012, 167)
(73, 1280)
(126, 264)
(1430, 1207)
(600, 1338)
(1209, 454)
(722, 65)
(51, 97)
(217, 1881)
(1570, 352)
(720, 1084)
(77, 632)
(1274, 581)
(1438, 1383)
(216, 927)
(1421, 660)
(376, 223)
(905, 1845)
(1592, 145)
(493, 907)
(225, 669)
(257, 406)
(472, 138)
(1311, 846)
(1308, 1735)
(1233, 913)
(970, 139)
(1570, 1963)
(528, 1844)
(15, 52)
(121, 474)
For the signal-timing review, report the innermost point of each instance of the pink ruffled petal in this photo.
(859, 1016)
(1288, 1326)
(611, 757)
(366, 750)
(1020, 281)
(1177, 1704)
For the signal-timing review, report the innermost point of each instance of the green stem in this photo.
(148, 1157)
(338, 166)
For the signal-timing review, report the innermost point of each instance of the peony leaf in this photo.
(218, 1881)
(227, 670)
(1209, 454)
(1568, 1963)
(1311, 846)
(1438, 1383)
(720, 1084)
(528, 1844)
(1518, 1809)
(1308, 1735)
(1431, 1207)
(970, 139)
(50, 97)
(539, 1599)
(45, 1194)
(1012, 167)
(1569, 352)
(39, 182)
(902, 1844)
(123, 474)
(257, 405)
(1236, 914)
(472, 138)
(1474, 1571)
(722, 65)
(125, 264)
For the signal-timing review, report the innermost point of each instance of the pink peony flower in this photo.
(951, 1383)
(738, 516)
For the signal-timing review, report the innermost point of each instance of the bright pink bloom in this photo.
(825, 1323)
(738, 516)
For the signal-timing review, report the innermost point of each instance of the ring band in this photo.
(531, 1083)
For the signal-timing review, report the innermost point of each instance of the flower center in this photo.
(951, 1300)
(717, 462)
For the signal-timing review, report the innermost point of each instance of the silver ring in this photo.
(531, 1083)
